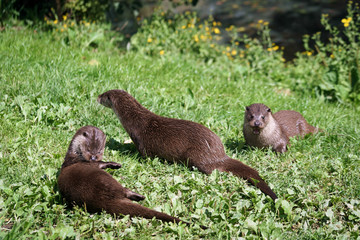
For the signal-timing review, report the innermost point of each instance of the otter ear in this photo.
(247, 108)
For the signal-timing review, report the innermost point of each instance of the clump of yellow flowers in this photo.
(65, 23)
(346, 21)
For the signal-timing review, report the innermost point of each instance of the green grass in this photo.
(48, 90)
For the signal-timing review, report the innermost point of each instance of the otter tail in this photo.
(241, 170)
(126, 207)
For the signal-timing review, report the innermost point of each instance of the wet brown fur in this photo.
(176, 140)
(262, 128)
(83, 182)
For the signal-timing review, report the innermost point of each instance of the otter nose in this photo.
(257, 123)
(93, 158)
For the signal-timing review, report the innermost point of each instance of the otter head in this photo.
(105, 99)
(89, 143)
(257, 117)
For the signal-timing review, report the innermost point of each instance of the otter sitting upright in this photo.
(263, 129)
(83, 182)
(176, 140)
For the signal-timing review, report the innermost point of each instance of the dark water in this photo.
(288, 20)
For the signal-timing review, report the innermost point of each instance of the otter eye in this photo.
(84, 134)
(252, 116)
(263, 117)
(269, 110)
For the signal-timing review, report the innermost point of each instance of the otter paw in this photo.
(113, 165)
(134, 196)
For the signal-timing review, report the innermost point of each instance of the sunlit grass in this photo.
(47, 92)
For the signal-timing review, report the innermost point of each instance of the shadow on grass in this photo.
(124, 148)
(236, 145)
(130, 149)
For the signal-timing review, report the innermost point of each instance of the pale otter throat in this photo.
(83, 182)
(263, 129)
(176, 140)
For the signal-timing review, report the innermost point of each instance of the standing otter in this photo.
(83, 182)
(176, 140)
(262, 128)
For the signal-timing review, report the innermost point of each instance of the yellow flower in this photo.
(149, 40)
(216, 31)
(214, 24)
(203, 37)
(237, 43)
(228, 49)
(266, 23)
(64, 17)
(346, 21)
(260, 21)
(307, 53)
(183, 27)
(162, 52)
(332, 56)
(229, 28)
(241, 29)
(233, 52)
(62, 30)
(212, 45)
(65, 25)
(55, 21)
(196, 38)
(72, 23)
(274, 48)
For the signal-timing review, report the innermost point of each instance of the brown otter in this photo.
(88, 145)
(176, 140)
(263, 129)
(83, 182)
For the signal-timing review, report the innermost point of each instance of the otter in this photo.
(263, 129)
(87, 145)
(176, 140)
(83, 182)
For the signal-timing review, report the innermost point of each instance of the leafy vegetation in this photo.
(49, 85)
